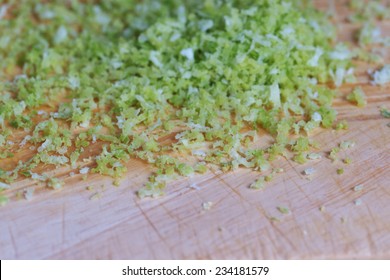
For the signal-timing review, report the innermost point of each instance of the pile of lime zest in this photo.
(128, 74)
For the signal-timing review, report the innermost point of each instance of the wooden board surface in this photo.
(67, 224)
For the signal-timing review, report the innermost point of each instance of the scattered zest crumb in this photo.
(274, 219)
(259, 184)
(84, 170)
(268, 178)
(358, 202)
(309, 171)
(55, 183)
(207, 205)
(340, 171)
(95, 196)
(333, 153)
(347, 161)
(3, 200)
(358, 188)
(347, 145)
(358, 97)
(194, 186)
(314, 156)
(4, 186)
(28, 193)
(385, 113)
(342, 125)
(283, 210)
(381, 76)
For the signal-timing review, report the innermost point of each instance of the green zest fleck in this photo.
(3, 200)
(259, 184)
(283, 210)
(300, 158)
(358, 97)
(342, 125)
(385, 113)
(55, 183)
(333, 153)
(358, 188)
(347, 145)
(347, 161)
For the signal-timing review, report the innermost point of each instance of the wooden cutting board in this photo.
(110, 222)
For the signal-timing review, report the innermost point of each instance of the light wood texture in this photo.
(67, 224)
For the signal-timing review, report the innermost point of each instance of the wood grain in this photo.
(242, 223)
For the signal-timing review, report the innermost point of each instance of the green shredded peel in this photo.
(333, 155)
(368, 10)
(348, 144)
(369, 34)
(385, 113)
(259, 184)
(207, 205)
(55, 183)
(309, 171)
(358, 97)
(95, 196)
(381, 77)
(347, 161)
(300, 158)
(314, 156)
(284, 210)
(342, 125)
(358, 202)
(152, 189)
(3, 200)
(340, 171)
(124, 76)
(358, 188)
(274, 219)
